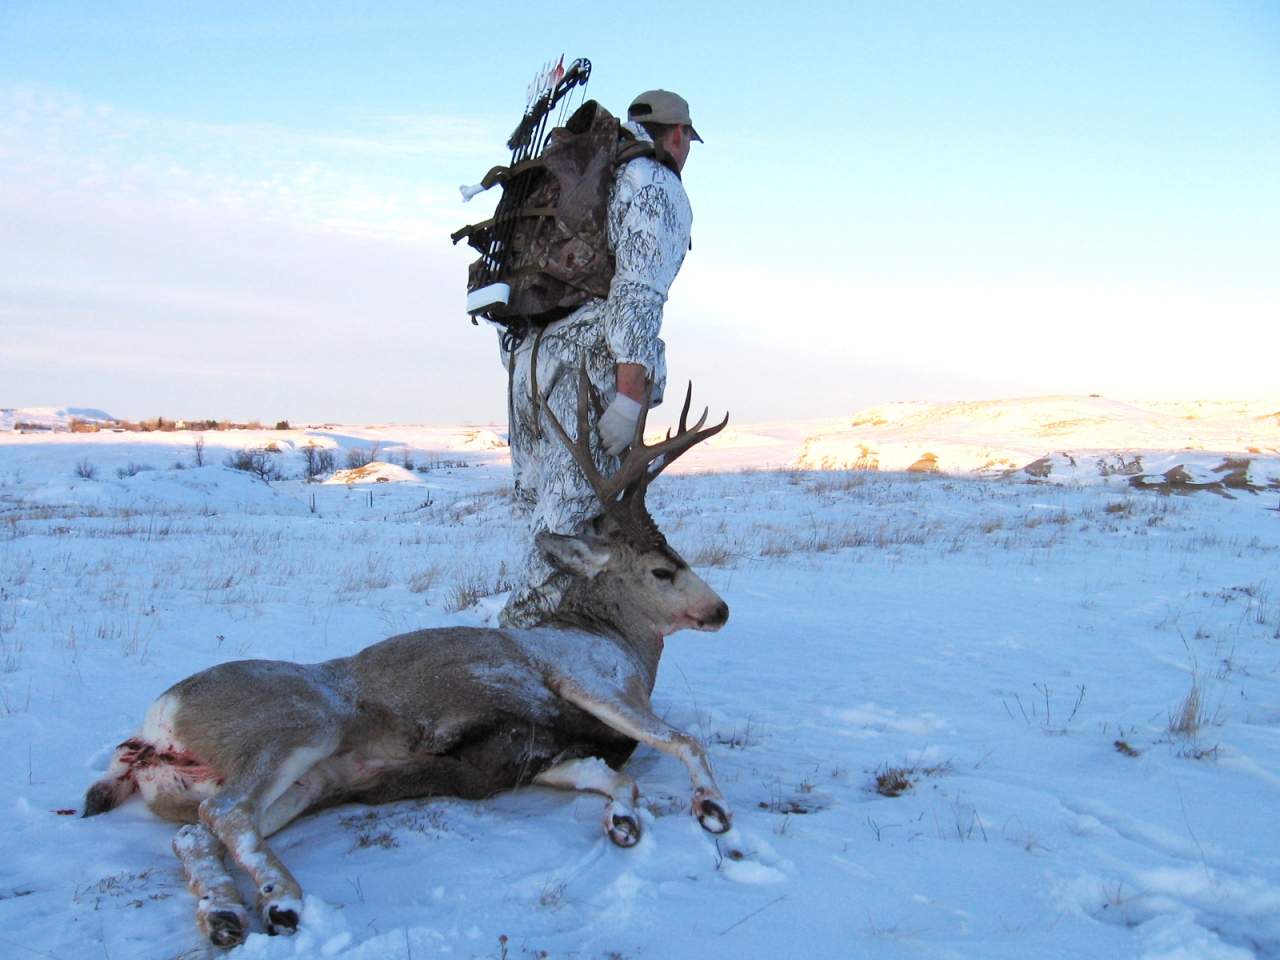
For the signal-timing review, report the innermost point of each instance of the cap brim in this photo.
(693, 134)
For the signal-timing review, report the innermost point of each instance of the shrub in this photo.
(86, 470)
(198, 446)
(319, 460)
(255, 460)
(131, 469)
(358, 457)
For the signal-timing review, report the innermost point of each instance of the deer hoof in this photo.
(226, 928)
(281, 919)
(623, 827)
(711, 814)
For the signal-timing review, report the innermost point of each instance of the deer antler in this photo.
(637, 469)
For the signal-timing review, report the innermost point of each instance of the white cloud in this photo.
(141, 268)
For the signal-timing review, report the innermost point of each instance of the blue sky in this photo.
(242, 210)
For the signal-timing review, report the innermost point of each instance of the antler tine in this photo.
(684, 410)
(634, 473)
(684, 438)
(580, 450)
(680, 443)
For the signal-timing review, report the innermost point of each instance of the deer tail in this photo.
(119, 783)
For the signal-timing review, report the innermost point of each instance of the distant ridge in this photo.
(49, 418)
(1067, 437)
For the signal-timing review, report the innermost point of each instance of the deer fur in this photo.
(238, 751)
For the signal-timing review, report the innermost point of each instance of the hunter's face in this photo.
(679, 143)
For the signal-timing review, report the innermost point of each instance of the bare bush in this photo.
(86, 470)
(198, 447)
(358, 457)
(131, 469)
(256, 460)
(319, 461)
(442, 465)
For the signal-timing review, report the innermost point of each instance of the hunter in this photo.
(649, 220)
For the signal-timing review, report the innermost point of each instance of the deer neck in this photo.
(587, 607)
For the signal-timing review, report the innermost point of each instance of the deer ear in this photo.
(581, 555)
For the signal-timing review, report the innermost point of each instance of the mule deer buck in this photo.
(238, 751)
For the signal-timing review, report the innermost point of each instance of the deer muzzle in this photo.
(711, 616)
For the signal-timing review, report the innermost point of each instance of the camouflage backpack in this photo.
(545, 251)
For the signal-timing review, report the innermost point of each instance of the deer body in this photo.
(238, 751)
(460, 711)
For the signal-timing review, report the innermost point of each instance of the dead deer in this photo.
(238, 751)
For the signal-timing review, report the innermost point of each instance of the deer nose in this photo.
(718, 616)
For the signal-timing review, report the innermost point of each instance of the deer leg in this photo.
(234, 823)
(239, 814)
(638, 722)
(220, 915)
(593, 775)
(295, 801)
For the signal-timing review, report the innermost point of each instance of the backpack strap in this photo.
(644, 148)
(501, 174)
(636, 148)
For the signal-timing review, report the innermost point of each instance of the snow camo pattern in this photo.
(649, 226)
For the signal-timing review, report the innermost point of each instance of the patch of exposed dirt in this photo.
(926, 464)
(1178, 480)
(1039, 468)
(1235, 471)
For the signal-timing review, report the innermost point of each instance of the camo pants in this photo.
(550, 491)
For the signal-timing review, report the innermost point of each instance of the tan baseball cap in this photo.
(661, 106)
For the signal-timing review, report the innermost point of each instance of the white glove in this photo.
(618, 424)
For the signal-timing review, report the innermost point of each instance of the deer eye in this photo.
(662, 573)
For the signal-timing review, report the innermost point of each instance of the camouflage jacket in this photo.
(649, 226)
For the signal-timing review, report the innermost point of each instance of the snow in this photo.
(1017, 647)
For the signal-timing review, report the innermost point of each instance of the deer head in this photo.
(625, 571)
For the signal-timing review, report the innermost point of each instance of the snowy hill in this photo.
(1000, 434)
(1078, 438)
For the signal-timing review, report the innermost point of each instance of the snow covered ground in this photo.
(982, 712)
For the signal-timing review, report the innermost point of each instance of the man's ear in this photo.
(582, 555)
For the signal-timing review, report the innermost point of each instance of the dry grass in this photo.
(383, 827)
(712, 555)
(895, 781)
(472, 587)
(1189, 717)
(424, 580)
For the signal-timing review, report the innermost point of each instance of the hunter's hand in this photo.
(618, 424)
